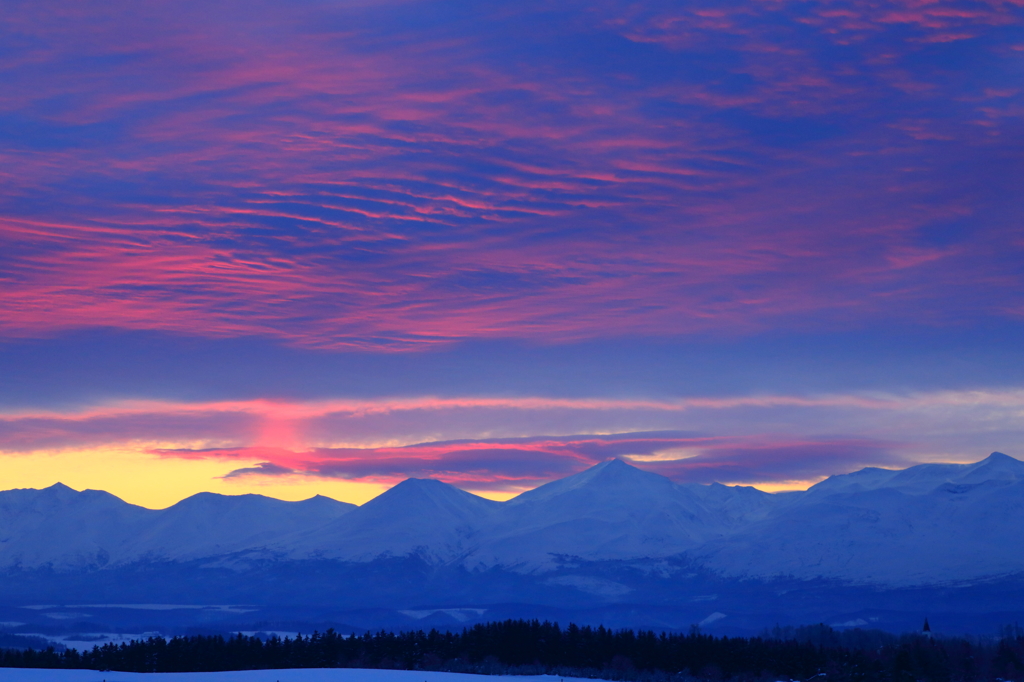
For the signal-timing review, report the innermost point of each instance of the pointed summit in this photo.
(419, 516)
(322, 502)
(923, 478)
(427, 496)
(995, 467)
(209, 524)
(64, 528)
(1003, 461)
(612, 477)
(611, 510)
(56, 492)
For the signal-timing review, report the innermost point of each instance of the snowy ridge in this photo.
(610, 511)
(62, 529)
(418, 516)
(929, 523)
(925, 524)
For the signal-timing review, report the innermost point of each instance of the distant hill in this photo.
(611, 535)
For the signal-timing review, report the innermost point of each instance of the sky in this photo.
(321, 246)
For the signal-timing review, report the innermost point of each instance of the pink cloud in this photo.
(326, 178)
(782, 460)
(522, 463)
(737, 439)
(517, 464)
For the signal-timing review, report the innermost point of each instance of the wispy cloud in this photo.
(522, 463)
(262, 469)
(488, 443)
(352, 176)
(398, 176)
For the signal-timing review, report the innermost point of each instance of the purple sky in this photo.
(755, 242)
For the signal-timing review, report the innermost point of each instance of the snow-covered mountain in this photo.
(208, 524)
(425, 517)
(924, 478)
(926, 524)
(66, 529)
(610, 511)
(62, 529)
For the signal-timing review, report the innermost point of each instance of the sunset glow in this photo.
(320, 247)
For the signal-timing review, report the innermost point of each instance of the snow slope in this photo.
(610, 511)
(208, 524)
(418, 516)
(291, 675)
(925, 524)
(63, 529)
(923, 478)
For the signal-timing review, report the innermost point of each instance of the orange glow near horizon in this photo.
(154, 482)
(155, 453)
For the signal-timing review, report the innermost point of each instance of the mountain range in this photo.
(611, 534)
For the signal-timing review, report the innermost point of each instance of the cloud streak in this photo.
(523, 463)
(486, 443)
(412, 179)
(351, 176)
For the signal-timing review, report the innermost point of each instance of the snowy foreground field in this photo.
(293, 675)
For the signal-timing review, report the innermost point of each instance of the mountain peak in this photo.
(610, 468)
(423, 483)
(427, 495)
(618, 468)
(58, 493)
(1001, 457)
(923, 478)
(996, 466)
(612, 477)
(430, 487)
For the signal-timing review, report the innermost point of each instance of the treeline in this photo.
(532, 647)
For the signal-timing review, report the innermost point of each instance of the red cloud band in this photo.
(514, 464)
(331, 176)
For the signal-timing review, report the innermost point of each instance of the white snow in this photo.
(610, 511)
(875, 525)
(290, 675)
(422, 516)
(222, 608)
(66, 530)
(929, 523)
(208, 524)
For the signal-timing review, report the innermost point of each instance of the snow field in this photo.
(291, 675)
